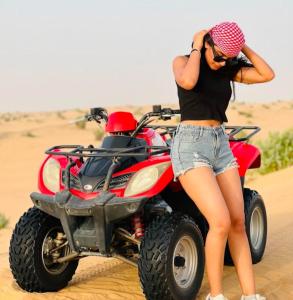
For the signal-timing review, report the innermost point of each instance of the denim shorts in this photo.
(197, 146)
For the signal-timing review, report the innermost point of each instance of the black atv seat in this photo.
(96, 167)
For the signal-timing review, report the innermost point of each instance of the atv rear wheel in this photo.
(32, 261)
(171, 262)
(256, 226)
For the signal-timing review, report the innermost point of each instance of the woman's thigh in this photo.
(201, 186)
(231, 189)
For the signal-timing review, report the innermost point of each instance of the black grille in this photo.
(116, 182)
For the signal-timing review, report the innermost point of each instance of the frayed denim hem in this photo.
(233, 164)
(196, 164)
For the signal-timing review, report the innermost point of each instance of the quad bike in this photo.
(120, 200)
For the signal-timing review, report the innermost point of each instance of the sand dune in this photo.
(100, 278)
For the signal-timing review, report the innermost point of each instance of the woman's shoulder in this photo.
(180, 61)
(181, 58)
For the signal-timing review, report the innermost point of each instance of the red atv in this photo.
(120, 200)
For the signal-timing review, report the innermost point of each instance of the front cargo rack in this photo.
(116, 153)
(81, 151)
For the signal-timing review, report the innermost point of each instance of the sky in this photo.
(66, 54)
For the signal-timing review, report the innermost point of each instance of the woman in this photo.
(201, 157)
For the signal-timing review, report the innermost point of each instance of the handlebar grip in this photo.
(176, 111)
(157, 108)
(95, 111)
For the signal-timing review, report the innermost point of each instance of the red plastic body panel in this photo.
(121, 121)
(248, 156)
(164, 180)
(152, 137)
(62, 160)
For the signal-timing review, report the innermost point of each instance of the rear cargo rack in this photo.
(170, 129)
(236, 129)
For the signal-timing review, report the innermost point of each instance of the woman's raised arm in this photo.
(186, 70)
(260, 72)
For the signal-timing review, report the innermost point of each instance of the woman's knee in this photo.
(221, 226)
(238, 224)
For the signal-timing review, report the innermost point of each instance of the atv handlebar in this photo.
(99, 113)
(163, 114)
(166, 114)
(158, 110)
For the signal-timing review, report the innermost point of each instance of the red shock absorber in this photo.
(138, 225)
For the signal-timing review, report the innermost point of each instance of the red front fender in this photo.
(62, 160)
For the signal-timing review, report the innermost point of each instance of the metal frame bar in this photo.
(115, 153)
(78, 150)
(234, 131)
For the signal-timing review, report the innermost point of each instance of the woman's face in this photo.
(209, 54)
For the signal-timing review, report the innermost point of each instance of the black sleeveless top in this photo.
(210, 96)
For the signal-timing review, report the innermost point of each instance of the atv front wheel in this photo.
(256, 226)
(32, 253)
(171, 262)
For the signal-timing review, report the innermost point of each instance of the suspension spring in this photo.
(138, 226)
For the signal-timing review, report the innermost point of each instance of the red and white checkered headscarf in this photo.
(228, 37)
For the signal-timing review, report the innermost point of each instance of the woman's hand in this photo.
(260, 72)
(198, 39)
(244, 48)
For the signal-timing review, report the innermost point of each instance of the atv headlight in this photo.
(144, 179)
(51, 175)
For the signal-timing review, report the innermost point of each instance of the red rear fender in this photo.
(248, 156)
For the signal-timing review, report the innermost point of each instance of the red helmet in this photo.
(121, 121)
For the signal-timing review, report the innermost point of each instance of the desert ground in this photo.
(23, 140)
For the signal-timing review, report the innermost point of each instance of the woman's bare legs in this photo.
(201, 186)
(230, 185)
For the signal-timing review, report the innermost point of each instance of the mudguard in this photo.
(248, 156)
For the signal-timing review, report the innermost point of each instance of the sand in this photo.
(100, 278)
